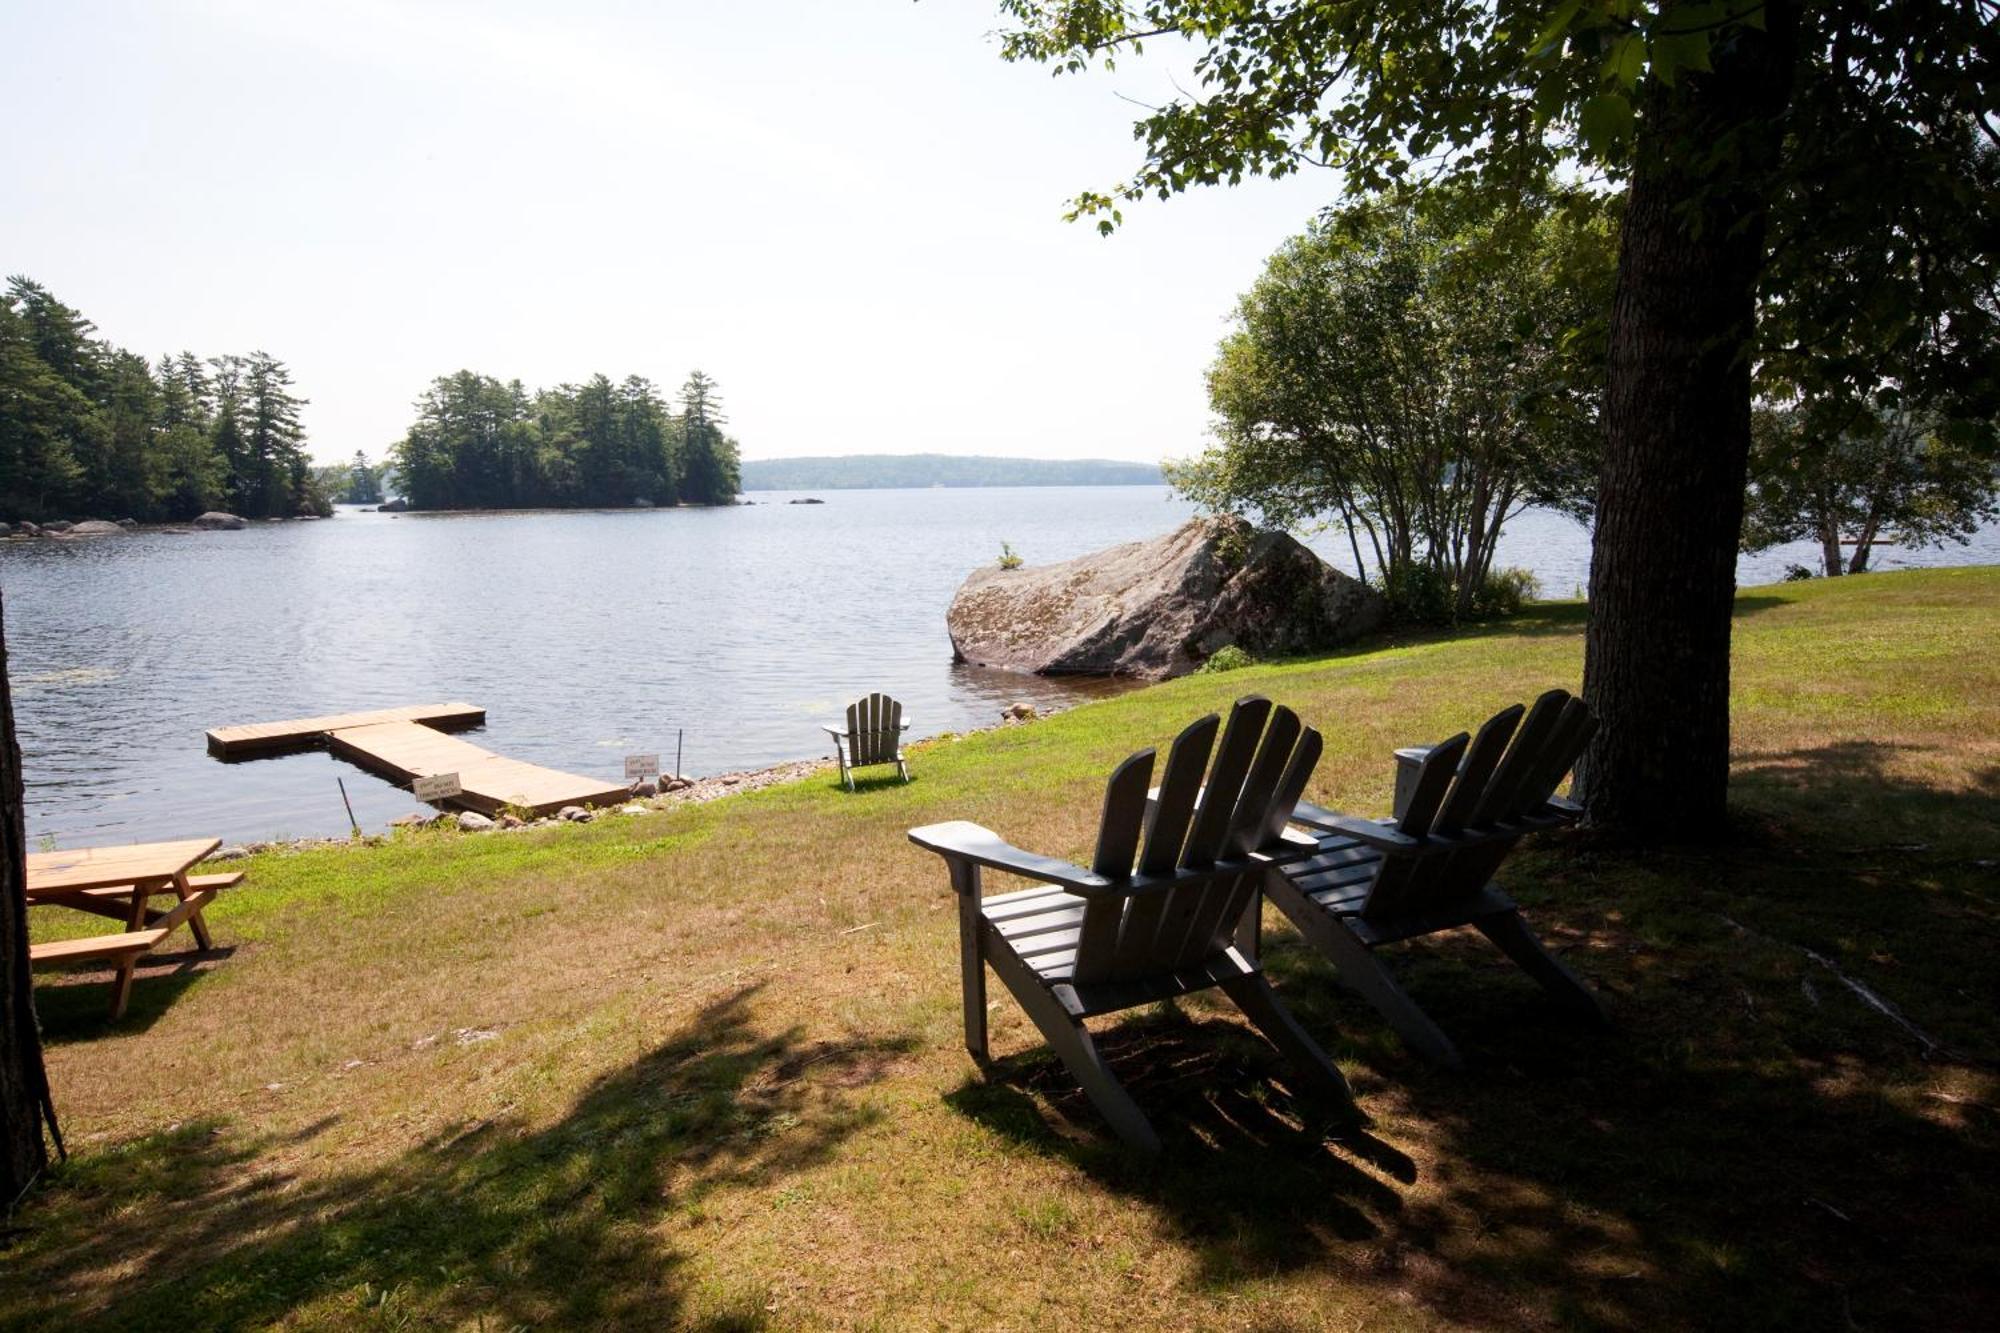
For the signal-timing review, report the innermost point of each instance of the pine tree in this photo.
(710, 473)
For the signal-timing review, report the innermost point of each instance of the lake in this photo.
(586, 636)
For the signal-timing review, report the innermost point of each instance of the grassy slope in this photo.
(704, 1066)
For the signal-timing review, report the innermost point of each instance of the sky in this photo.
(849, 213)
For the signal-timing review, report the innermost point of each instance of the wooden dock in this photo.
(306, 732)
(403, 744)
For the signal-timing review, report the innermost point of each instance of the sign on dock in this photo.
(439, 787)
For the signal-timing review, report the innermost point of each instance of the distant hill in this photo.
(898, 471)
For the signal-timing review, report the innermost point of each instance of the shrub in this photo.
(1424, 595)
(1797, 573)
(1226, 658)
(1504, 592)
(1008, 560)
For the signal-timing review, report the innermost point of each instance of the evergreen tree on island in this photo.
(710, 470)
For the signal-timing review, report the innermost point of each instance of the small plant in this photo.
(1009, 560)
(1797, 573)
(1504, 592)
(1226, 658)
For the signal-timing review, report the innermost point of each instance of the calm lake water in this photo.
(586, 636)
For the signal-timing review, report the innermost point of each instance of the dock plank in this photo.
(260, 737)
(402, 751)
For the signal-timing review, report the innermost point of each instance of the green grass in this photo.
(703, 1068)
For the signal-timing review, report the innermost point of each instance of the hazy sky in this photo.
(848, 212)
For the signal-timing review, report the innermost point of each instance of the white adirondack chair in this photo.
(1461, 806)
(873, 735)
(1183, 918)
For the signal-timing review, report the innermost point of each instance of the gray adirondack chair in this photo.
(1461, 806)
(873, 735)
(1122, 934)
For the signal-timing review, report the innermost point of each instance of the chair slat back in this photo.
(1490, 788)
(1524, 757)
(1481, 758)
(1118, 831)
(874, 730)
(1572, 733)
(1402, 881)
(1225, 781)
(1168, 929)
(1434, 779)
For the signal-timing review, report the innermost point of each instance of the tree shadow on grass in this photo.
(1751, 1144)
(568, 1225)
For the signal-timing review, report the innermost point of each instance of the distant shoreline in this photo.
(939, 471)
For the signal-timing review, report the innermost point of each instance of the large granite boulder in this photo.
(96, 527)
(1159, 608)
(215, 521)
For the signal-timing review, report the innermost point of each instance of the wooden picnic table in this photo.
(118, 882)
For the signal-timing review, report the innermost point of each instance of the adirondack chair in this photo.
(1183, 918)
(1460, 808)
(873, 735)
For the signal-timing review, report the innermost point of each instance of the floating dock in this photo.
(403, 744)
(306, 732)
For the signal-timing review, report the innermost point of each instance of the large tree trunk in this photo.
(1677, 441)
(23, 1085)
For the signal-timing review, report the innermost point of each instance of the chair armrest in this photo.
(838, 733)
(967, 841)
(1380, 836)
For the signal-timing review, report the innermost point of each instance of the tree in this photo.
(1867, 424)
(1711, 113)
(710, 470)
(25, 1105)
(364, 485)
(41, 417)
(192, 479)
(1421, 372)
(1891, 473)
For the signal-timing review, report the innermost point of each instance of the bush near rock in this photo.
(217, 521)
(1157, 609)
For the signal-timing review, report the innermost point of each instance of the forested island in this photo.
(481, 443)
(89, 429)
(899, 471)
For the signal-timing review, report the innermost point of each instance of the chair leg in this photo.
(1360, 969)
(902, 768)
(1512, 935)
(972, 977)
(1072, 1043)
(1259, 1003)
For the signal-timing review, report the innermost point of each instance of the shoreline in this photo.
(698, 791)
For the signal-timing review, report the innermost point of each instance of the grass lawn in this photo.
(704, 1067)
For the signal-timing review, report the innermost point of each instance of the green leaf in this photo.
(1558, 28)
(1627, 60)
(1606, 122)
(1673, 52)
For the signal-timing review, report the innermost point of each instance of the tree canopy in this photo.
(479, 443)
(88, 429)
(1749, 136)
(1419, 371)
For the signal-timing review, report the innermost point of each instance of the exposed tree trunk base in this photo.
(24, 1086)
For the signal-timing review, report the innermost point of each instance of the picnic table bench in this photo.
(119, 882)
